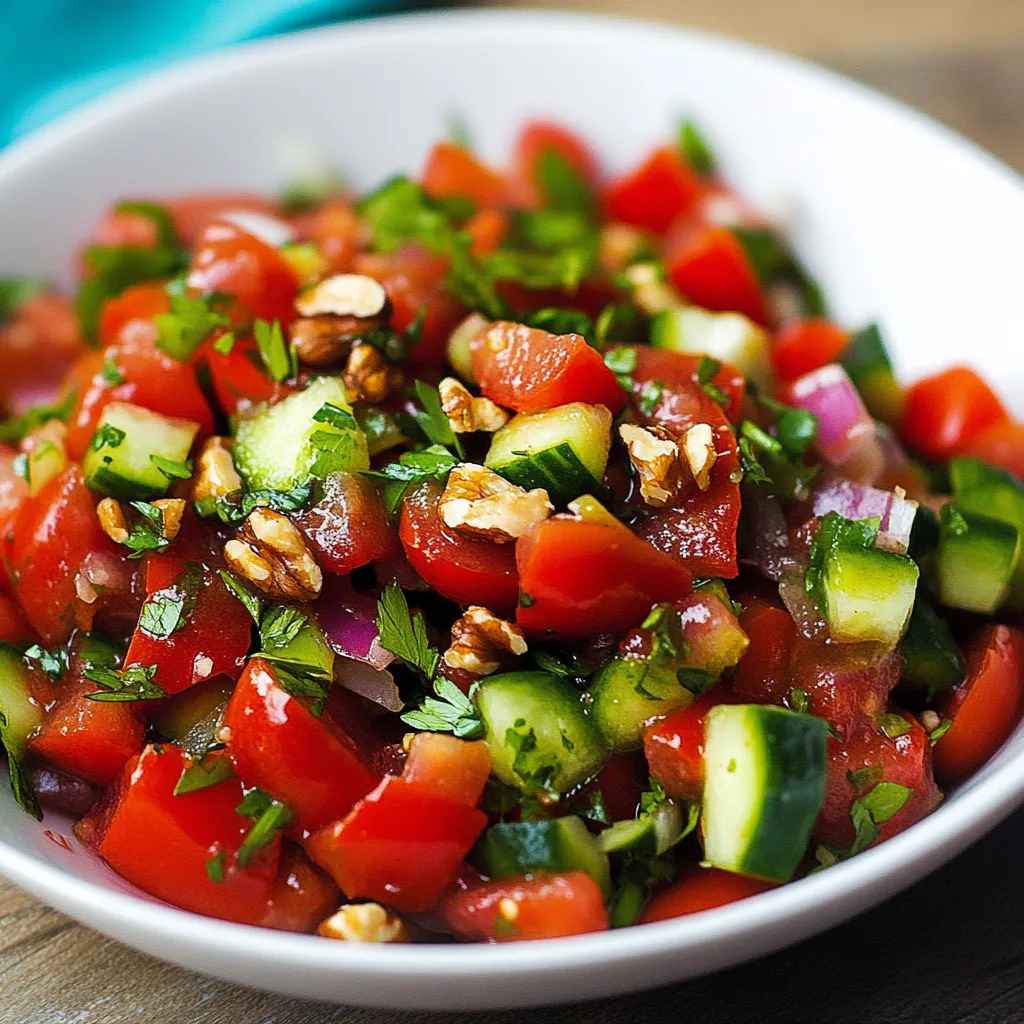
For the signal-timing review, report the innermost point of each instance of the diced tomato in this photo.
(229, 260)
(348, 526)
(579, 578)
(944, 412)
(1002, 444)
(192, 213)
(905, 760)
(126, 227)
(140, 302)
(14, 630)
(402, 844)
(239, 376)
(674, 746)
(536, 139)
(621, 782)
(302, 895)
(986, 708)
(661, 190)
(807, 345)
(415, 280)
(91, 739)
(448, 768)
(166, 844)
(487, 228)
(696, 889)
(762, 676)
(336, 229)
(528, 369)
(453, 172)
(463, 569)
(546, 907)
(49, 540)
(13, 495)
(680, 370)
(712, 270)
(276, 743)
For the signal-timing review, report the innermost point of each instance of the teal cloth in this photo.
(54, 54)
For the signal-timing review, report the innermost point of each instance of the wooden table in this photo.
(949, 950)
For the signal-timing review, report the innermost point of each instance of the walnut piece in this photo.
(698, 448)
(466, 413)
(479, 639)
(172, 510)
(364, 922)
(656, 458)
(478, 502)
(367, 376)
(215, 476)
(324, 340)
(112, 521)
(271, 553)
(344, 295)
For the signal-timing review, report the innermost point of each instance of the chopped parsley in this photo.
(205, 772)
(112, 376)
(405, 633)
(451, 711)
(874, 808)
(54, 663)
(15, 429)
(764, 460)
(278, 357)
(696, 149)
(432, 420)
(561, 186)
(707, 369)
(215, 867)
(128, 684)
(107, 436)
(232, 509)
(171, 469)
(622, 362)
(433, 463)
(269, 816)
(188, 324)
(894, 725)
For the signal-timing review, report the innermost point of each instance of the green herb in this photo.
(251, 602)
(234, 508)
(333, 447)
(107, 436)
(662, 622)
(433, 463)
(112, 376)
(622, 362)
(775, 265)
(798, 702)
(215, 868)
(37, 416)
(280, 626)
(549, 663)
(129, 684)
(451, 712)
(147, 532)
(165, 612)
(224, 344)
(869, 811)
(171, 469)
(835, 534)
(269, 816)
(432, 419)
(653, 798)
(187, 325)
(764, 460)
(939, 731)
(561, 186)
(16, 291)
(534, 774)
(21, 784)
(202, 774)
(795, 429)
(863, 779)
(706, 371)
(592, 808)
(525, 600)
(952, 521)
(405, 634)
(54, 663)
(894, 725)
(696, 680)
(650, 396)
(279, 358)
(565, 268)
(696, 150)
(560, 321)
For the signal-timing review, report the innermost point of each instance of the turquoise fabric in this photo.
(54, 54)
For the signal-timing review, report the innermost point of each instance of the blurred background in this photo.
(958, 60)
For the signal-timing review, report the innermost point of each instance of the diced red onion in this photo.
(844, 424)
(103, 572)
(349, 621)
(58, 791)
(804, 611)
(855, 501)
(372, 683)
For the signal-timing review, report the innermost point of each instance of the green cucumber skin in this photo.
(22, 714)
(566, 738)
(882, 583)
(932, 661)
(791, 749)
(558, 470)
(620, 710)
(976, 570)
(555, 846)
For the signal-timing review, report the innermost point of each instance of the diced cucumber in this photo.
(543, 847)
(932, 663)
(20, 716)
(649, 836)
(309, 434)
(977, 560)
(867, 362)
(590, 510)
(540, 737)
(729, 337)
(764, 788)
(627, 692)
(564, 450)
(136, 453)
(869, 595)
(459, 356)
(190, 718)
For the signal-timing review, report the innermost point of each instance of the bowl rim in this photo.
(935, 839)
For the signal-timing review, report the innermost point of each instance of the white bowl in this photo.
(899, 218)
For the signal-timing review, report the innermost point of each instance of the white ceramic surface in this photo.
(899, 218)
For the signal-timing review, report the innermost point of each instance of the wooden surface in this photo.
(949, 950)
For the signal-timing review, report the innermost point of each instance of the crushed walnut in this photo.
(115, 525)
(335, 313)
(478, 502)
(467, 413)
(665, 465)
(698, 448)
(364, 922)
(344, 295)
(215, 475)
(479, 641)
(367, 376)
(271, 553)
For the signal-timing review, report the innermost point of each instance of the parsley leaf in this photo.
(696, 150)
(650, 396)
(869, 811)
(233, 508)
(592, 808)
(107, 436)
(147, 532)
(280, 625)
(205, 772)
(434, 463)
(186, 326)
(215, 868)
(560, 321)
(252, 603)
(535, 771)
(622, 362)
(112, 376)
(764, 460)
(129, 684)
(269, 816)
(15, 291)
(16, 429)
(333, 447)
(452, 712)
(279, 358)
(167, 611)
(707, 369)
(894, 725)
(171, 469)
(863, 779)
(775, 266)
(224, 344)
(54, 663)
(561, 186)
(432, 419)
(939, 731)
(405, 634)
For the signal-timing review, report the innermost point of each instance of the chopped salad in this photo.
(498, 555)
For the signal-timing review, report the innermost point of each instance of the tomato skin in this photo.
(487, 228)
(14, 630)
(711, 269)
(139, 302)
(528, 369)
(301, 896)
(680, 371)
(447, 768)
(986, 708)
(549, 907)
(239, 377)
(1002, 444)
(661, 190)
(696, 889)
(162, 843)
(453, 172)
(533, 141)
(674, 746)
(276, 743)
(216, 637)
(621, 782)
(463, 569)
(944, 412)
(49, 540)
(586, 579)
(228, 259)
(762, 676)
(193, 213)
(905, 760)
(807, 345)
(348, 526)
